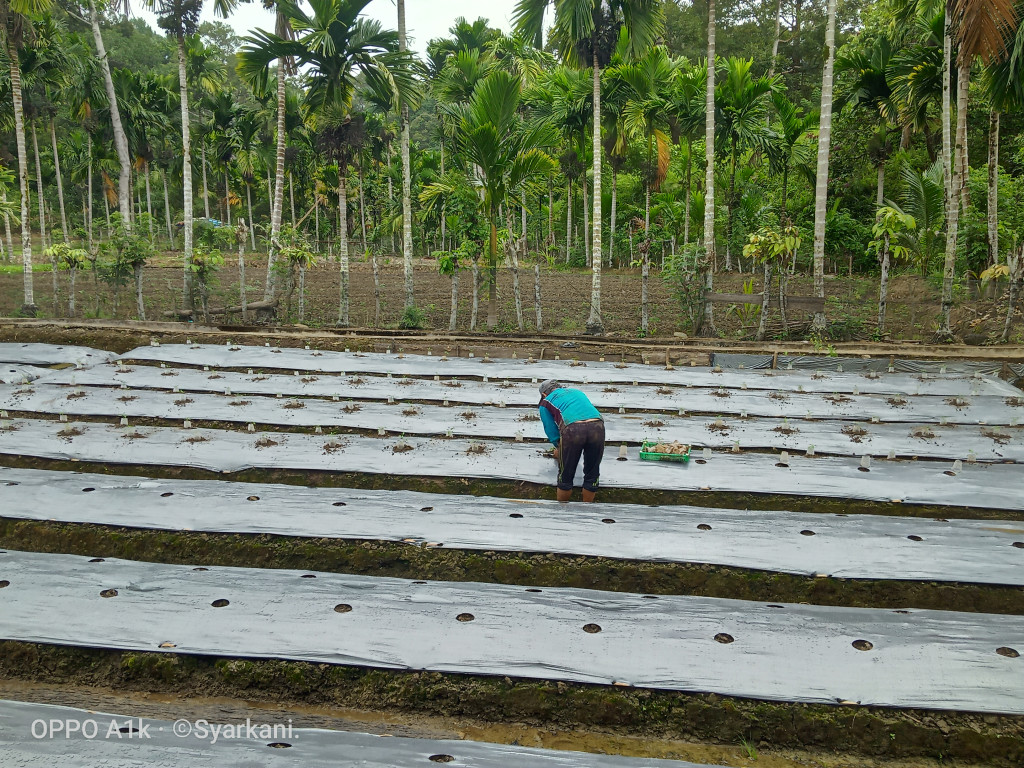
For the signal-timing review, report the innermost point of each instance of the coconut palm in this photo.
(821, 176)
(585, 32)
(503, 152)
(337, 49)
(741, 124)
(16, 23)
(180, 19)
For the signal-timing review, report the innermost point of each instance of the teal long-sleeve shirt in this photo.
(564, 406)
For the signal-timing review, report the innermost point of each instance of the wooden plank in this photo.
(808, 303)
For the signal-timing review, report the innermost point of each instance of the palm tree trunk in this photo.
(513, 257)
(951, 167)
(689, 184)
(568, 218)
(206, 190)
(993, 187)
(962, 97)
(7, 229)
(39, 189)
(362, 209)
(551, 212)
(243, 294)
(821, 178)
(492, 269)
(880, 187)
(455, 300)
(476, 296)
(343, 246)
(1015, 261)
(614, 213)
(252, 224)
(410, 298)
(708, 324)
(729, 206)
(444, 224)
(137, 269)
(149, 202)
(645, 276)
(536, 296)
(186, 158)
(278, 188)
(775, 39)
(302, 291)
(60, 182)
(88, 173)
(883, 285)
(765, 297)
(120, 138)
(376, 288)
(167, 210)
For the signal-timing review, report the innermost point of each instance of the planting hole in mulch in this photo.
(4, 583)
(196, 439)
(97, 560)
(784, 429)
(607, 520)
(774, 605)
(333, 447)
(308, 379)
(714, 426)
(922, 433)
(339, 504)
(220, 603)
(654, 423)
(703, 527)
(453, 383)
(165, 495)
(1015, 402)
(1009, 653)
(665, 391)
(129, 398)
(252, 498)
(214, 376)
(958, 402)
(837, 399)
(167, 644)
(534, 589)
(108, 593)
(441, 758)
(778, 396)
(200, 568)
(610, 389)
(401, 448)
(468, 415)
(184, 401)
(410, 411)
(724, 638)
(591, 629)
(1018, 544)
(806, 532)
(308, 576)
(240, 402)
(516, 515)
(855, 432)
(477, 448)
(357, 381)
(68, 432)
(426, 509)
(915, 538)
(464, 617)
(351, 408)
(721, 393)
(293, 404)
(266, 442)
(528, 417)
(128, 729)
(169, 373)
(136, 435)
(896, 402)
(279, 745)
(342, 608)
(88, 490)
(862, 645)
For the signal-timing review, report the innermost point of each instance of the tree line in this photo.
(819, 134)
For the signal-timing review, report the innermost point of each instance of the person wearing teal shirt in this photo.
(575, 427)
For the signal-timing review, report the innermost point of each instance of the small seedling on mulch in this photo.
(452, 383)
(75, 395)
(128, 398)
(333, 447)
(294, 404)
(136, 435)
(259, 378)
(662, 390)
(958, 402)
(778, 396)
(722, 429)
(351, 408)
(410, 411)
(654, 423)
(784, 429)
(195, 439)
(215, 376)
(477, 448)
(999, 437)
(922, 433)
(401, 448)
(721, 393)
(405, 382)
(69, 432)
(529, 417)
(308, 379)
(896, 402)
(468, 415)
(357, 381)
(1015, 402)
(855, 432)
(240, 402)
(266, 442)
(610, 389)
(184, 401)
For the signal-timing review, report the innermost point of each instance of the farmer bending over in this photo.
(574, 426)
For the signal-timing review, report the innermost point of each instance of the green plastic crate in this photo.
(648, 455)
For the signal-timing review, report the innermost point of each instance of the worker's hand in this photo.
(555, 454)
